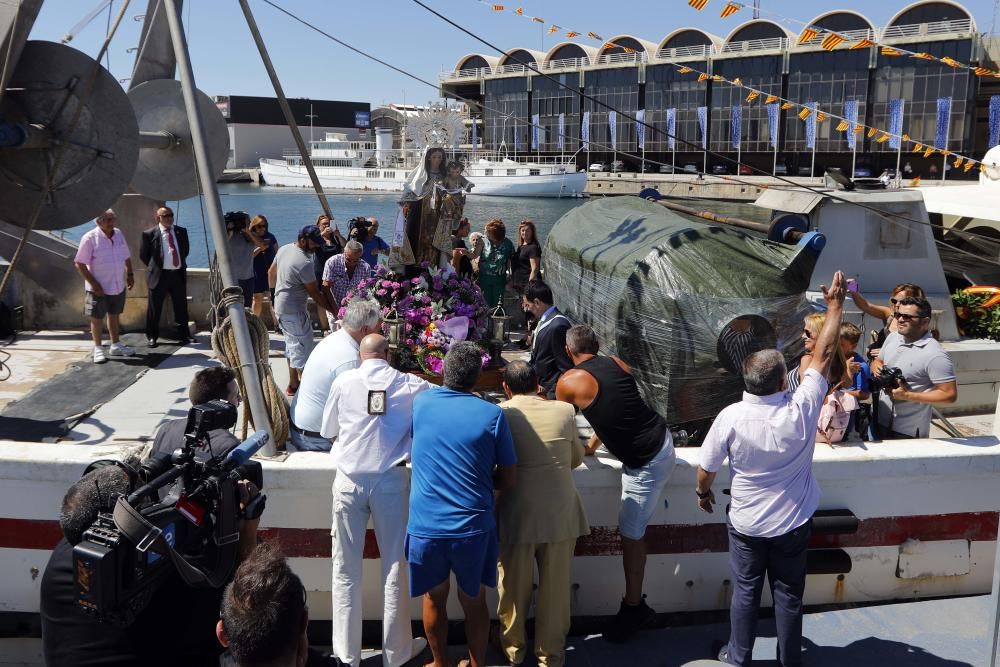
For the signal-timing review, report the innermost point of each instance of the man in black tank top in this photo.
(608, 396)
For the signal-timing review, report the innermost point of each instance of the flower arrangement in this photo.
(437, 310)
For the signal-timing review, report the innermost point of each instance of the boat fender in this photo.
(650, 193)
(835, 522)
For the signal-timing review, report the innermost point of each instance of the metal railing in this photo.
(848, 35)
(698, 51)
(920, 29)
(566, 63)
(513, 68)
(473, 73)
(618, 58)
(771, 44)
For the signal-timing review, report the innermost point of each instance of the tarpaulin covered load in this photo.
(682, 302)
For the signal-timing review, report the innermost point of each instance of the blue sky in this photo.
(403, 33)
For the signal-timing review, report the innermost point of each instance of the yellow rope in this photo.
(224, 344)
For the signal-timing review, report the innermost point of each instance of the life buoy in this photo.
(979, 289)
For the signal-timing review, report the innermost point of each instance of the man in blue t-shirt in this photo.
(373, 245)
(462, 452)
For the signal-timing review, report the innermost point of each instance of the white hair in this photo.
(361, 314)
(353, 247)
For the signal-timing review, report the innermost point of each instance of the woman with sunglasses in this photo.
(884, 313)
(838, 376)
(262, 260)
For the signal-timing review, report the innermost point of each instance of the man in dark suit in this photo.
(164, 250)
(548, 347)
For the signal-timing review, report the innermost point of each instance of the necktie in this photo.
(175, 261)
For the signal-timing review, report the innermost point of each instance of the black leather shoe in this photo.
(151, 342)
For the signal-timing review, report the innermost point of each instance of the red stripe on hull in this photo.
(603, 540)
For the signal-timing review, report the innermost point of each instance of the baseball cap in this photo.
(312, 233)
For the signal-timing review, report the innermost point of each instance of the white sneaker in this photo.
(99, 357)
(120, 350)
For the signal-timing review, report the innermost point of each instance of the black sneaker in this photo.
(629, 620)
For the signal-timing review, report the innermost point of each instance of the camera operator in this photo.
(177, 626)
(928, 377)
(208, 384)
(374, 245)
(242, 247)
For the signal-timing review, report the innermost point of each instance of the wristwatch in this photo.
(702, 496)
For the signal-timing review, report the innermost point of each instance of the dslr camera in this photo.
(886, 379)
(357, 229)
(182, 514)
(238, 220)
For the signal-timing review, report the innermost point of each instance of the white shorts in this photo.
(297, 329)
(642, 489)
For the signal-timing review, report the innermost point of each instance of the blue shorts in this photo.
(642, 489)
(473, 560)
(297, 330)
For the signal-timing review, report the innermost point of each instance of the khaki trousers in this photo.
(552, 600)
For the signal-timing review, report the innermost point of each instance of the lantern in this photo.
(394, 333)
(498, 327)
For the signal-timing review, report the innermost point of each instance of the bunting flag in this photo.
(895, 122)
(703, 77)
(537, 19)
(519, 11)
(554, 28)
(786, 106)
(703, 125)
(717, 77)
(570, 34)
(858, 129)
(535, 121)
(585, 130)
(771, 99)
(730, 9)
(928, 151)
(943, 122)
(968, 165)
(863, 43)
(958, 162)
(594, 35)
(698, 4)
(613, 128)
(498, 8)
(671, 128)
(918, 147)
(832, 41)
(685, 70)
(851, 114)
(737, 82)
(736, 125)
(915, 182)
(889, 51)
(872, 131)
(923, 56)
(951, 62)
(772, 123)
(982, 71)
(842, 126)
(562, 132)
(810, 119)
(820, 116)
(906, 137)
(994, 124)
(884, 137)
(752, 96)
(808, 34)
(640, 128)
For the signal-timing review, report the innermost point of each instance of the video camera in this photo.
(887, 378)
(357, 229)
(194, 527)
(238, 220)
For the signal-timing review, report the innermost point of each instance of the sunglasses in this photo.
(168, 215)
(907, 318)
(807, 334)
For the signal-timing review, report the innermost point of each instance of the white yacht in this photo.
(342, 164)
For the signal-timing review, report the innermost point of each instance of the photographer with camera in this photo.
(141, 612)
(242, 247)
(374, 245)
(913, 373)
(209, 384)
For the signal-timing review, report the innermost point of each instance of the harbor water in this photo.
(288, 209)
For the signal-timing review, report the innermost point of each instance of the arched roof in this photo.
(564, 50)
(476, 60)
(689, 37)
(526, 56)
(930, 11)
(758, 29)
(842, 20)
(631, 42)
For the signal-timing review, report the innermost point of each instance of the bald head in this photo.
(374, 346)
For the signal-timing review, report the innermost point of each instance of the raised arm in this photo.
(829, 336)
(868, 308)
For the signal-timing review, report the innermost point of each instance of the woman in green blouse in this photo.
(494, 262)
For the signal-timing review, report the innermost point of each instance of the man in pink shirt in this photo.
(105, 263)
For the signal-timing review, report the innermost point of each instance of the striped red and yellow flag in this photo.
(906, 137)
(594, 35)
(698, 4)
(718, 77)
(808, 34)
(628, 50)
(498, 8)
(572, 33)
(737, 81)
(928, 151)
(820, 116)
(730, 9)
(703, 77)
(946, 153)
(923, 56)
(872, 131)
(554, 28)
(842, 126)
(884, 137)
(771, 99)
(608, 45)
(858, 129)
(685, 70)
(786, 106)
(752, 96)
(863, 43)
(805, 113)
(918, 147)
(889, 51)
(915, 182)
(968, 165)
(519, 11)
(951, 62)
(832, 41)
(982, 71)
(958, 162)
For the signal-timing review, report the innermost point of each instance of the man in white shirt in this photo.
(335, 354)
(370, 412)
(769, 438)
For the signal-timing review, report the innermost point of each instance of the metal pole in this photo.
(854, 156)
(237, 315)
(899, 149)
(944, 167)
(285, 109)
(812, 168)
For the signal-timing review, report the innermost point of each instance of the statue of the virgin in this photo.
(416, 224)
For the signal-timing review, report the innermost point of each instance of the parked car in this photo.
(745, 170)
(719, 169)
(666, 169)
(597, 166)
(614, 166)
(805, 171)
(691, 168)
(781, 169)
